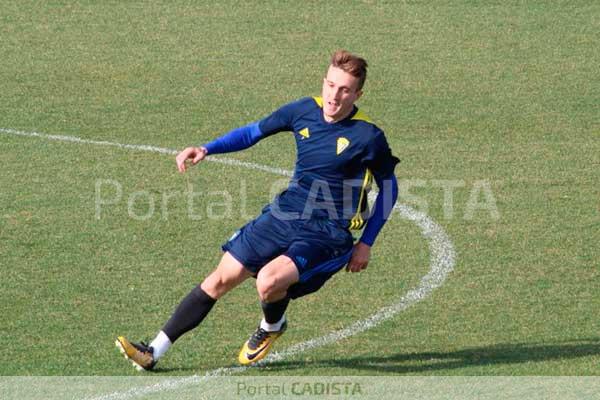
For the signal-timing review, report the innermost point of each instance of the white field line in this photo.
(441, 263)
(142, 147)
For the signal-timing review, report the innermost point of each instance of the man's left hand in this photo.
(360, 257)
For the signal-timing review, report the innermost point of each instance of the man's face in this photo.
(340, 91)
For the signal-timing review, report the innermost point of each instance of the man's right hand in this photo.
(196, 154)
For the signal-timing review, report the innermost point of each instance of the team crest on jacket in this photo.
(342, 144)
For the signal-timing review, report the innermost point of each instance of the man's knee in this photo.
(225, 277)
(275, 278)
(215, 285)
(269, 289)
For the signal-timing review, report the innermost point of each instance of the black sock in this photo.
(189, 313)
(274, 311)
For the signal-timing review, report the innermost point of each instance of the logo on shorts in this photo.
(236, 234)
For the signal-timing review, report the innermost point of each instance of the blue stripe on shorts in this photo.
(327, 268)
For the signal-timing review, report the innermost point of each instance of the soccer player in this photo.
(303, 237)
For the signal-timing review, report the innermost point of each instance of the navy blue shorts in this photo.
(318, 247)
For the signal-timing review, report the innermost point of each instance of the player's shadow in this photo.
(505, 353)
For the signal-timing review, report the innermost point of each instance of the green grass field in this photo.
(505, 93)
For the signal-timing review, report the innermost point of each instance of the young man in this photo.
(302, 238)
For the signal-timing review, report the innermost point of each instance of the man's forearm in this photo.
(386, 198)
(238, 139)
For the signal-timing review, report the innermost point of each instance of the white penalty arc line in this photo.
(442, 261)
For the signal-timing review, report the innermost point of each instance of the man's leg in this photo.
(197, 304)
(272, 283)
(189, 314)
